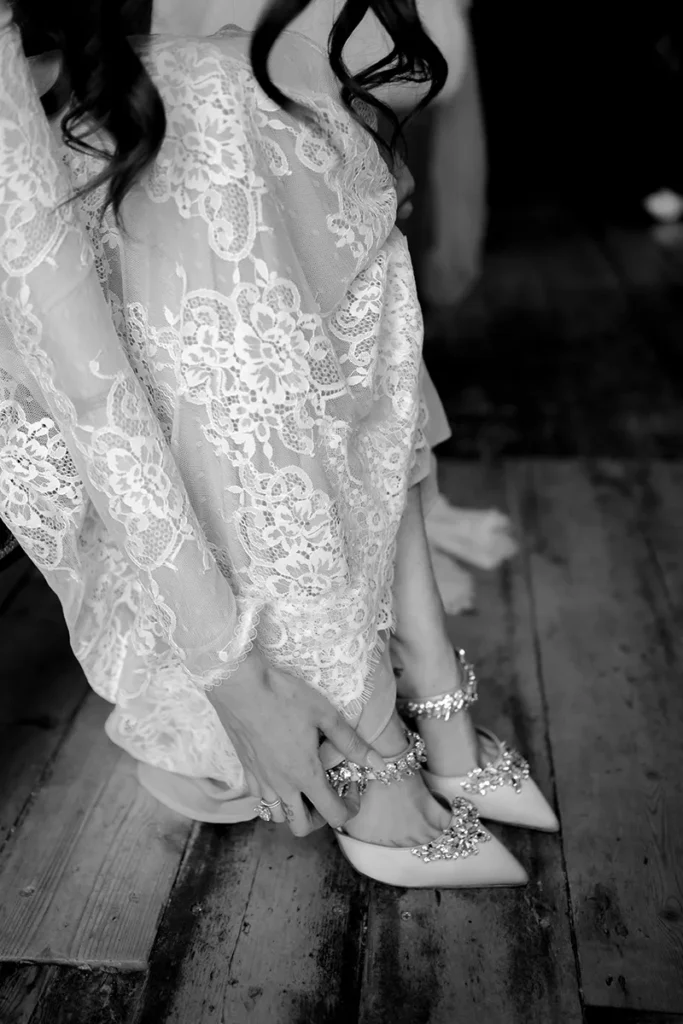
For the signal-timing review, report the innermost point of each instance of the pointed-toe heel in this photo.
(501, 788)
(464, 855)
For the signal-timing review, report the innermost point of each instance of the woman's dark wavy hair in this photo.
(414, 57)
(111, 89)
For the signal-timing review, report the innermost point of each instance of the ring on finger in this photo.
(265, 809)
(264, 812)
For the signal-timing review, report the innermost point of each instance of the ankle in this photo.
(393, 740)
(419, 677)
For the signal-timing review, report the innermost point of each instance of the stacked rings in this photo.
(265, 809)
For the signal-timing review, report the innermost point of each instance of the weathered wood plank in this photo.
(611, 660)
(487, 955)
(41, 686)
(261, 927)
(22, 987)
(78, 996)
(86, 875)
(602, 1015)
(661, 515)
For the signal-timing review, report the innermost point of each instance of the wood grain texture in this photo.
(502, 956)
(86, 875)
(602, 1015)
(261, 927)
(660, 510)
(611, 660)
(78, 996)
(22, 988)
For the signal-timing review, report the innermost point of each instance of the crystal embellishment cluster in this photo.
(510, 769)
(446, 704)
(461, 839)
(342, 775)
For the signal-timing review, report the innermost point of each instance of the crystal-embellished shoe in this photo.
(464, 855)
(501, 789)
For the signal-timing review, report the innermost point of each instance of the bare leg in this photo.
(421, 651)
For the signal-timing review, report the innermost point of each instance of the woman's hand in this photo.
(274, 721)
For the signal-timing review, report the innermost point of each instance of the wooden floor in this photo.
(112, 909)
(116, 911)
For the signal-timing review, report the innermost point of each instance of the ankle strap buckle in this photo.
(408, 763)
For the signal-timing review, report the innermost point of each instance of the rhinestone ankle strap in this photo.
(443, 705)
(407, 763)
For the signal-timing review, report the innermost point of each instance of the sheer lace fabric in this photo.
(209, 421)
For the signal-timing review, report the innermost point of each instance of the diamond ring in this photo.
(265, 809)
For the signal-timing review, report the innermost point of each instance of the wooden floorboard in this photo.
(23, 987)
(85, 877)
(660, 511)
(504, 957)
(71, 995)
(579, 649)
(261, 927)
(611, 662)
(602, 1015)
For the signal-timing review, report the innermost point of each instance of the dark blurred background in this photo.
(570, 340)
(582, 100)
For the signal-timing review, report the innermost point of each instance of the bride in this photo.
(456, 535)
(213, 442)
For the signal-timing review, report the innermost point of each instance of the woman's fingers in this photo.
(297, 815)
(253, 784)
(335, 810)
(352, 801)
(270, 797)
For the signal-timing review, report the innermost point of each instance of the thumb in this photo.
(352, 747)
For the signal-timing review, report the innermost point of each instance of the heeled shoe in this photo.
(501, 789)
(464, 855)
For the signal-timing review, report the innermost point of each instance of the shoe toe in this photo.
(494, 861)
(527, 809)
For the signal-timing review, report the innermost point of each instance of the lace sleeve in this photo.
(288, 332)
(61, 326)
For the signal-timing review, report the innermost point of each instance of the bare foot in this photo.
(403, 813)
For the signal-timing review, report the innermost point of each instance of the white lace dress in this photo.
(209, 421)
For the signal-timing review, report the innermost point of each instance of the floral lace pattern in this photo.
(208, 424)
